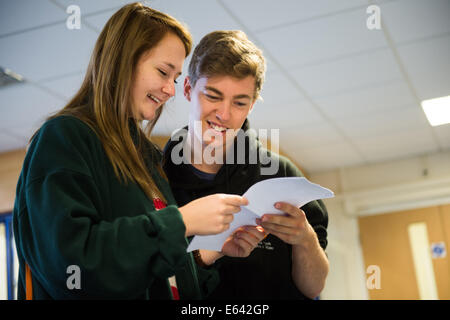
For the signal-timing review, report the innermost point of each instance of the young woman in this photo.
(94, 216)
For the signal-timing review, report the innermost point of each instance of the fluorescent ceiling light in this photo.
(8, 77)
(437, 110)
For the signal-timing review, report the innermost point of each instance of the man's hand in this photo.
(309, 263)
(292, 227)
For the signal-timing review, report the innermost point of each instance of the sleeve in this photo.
(315, 211)
(208, 279)
(118, 259)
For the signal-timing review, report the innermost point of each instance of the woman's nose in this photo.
(169, 88)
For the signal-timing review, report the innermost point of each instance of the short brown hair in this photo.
(227, 53)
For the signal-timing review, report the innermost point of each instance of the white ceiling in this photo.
(341, 95)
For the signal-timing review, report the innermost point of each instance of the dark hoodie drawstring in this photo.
(226, 178)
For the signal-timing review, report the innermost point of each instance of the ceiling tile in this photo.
(325, 157)
(283, 115)
(309, 136)
(277, 89)
(201, 16)
(10, 142)
(20, 15)
(193, 15)
(407, 20)
(398, 119)
(372, 99)
(260, 15)
(349, 74)
(66, 86)
(89, 6)
(321, 40)
(443, 134)
(48, 52)
(397, 145)
(98, 21)
(428, 65)
(24, 131)
(25, 103)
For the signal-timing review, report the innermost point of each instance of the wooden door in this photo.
(386, 243)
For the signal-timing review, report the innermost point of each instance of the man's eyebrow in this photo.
(242, 96)
(214, 90)
(239, 96)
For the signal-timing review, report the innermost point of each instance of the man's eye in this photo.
(162, 72)
(211, 97)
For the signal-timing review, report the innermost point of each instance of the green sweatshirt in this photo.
(71, 210)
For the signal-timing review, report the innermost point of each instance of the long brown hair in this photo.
(104, 100)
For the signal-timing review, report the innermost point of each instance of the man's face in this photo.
(219, 103)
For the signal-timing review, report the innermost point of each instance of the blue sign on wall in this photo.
(7, 220)
(438, 250)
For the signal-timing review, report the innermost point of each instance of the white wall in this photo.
(404, 184)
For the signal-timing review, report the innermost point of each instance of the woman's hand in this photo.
(211, 214)
(242, 242)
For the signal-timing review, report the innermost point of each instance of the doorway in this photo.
(409, 251)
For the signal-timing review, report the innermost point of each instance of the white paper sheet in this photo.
(261, 197)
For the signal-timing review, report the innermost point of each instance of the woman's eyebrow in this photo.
(171, 66)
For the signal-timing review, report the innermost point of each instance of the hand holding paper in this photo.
(262, 196)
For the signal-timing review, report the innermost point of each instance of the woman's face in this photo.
(155, 77)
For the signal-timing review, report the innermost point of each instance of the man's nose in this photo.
(223, 113)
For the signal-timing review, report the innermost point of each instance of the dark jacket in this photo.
(266, 273)
(71, 209)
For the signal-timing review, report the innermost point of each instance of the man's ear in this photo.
(251, 108)
(187, 88)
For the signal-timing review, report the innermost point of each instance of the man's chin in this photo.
(213, 145)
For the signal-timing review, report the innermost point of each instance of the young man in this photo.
(224, 80)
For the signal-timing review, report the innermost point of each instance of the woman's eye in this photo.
(164, 74)
(241, 104)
